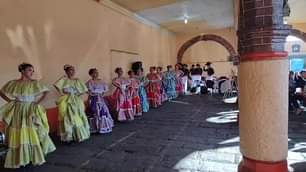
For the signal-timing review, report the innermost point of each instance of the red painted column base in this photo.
(249, 165)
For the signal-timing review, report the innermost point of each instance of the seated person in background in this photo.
(300, 93)
(293, 104)
(221, 80)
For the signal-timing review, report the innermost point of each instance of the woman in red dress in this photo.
(134, 92)
(153, 88)
(122, 97)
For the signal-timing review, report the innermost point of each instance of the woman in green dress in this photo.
(73, 124)
(27, 129)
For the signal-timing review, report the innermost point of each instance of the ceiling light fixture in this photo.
(185, 20)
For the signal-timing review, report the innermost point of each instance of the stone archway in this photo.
(208, 37)
(299, 34)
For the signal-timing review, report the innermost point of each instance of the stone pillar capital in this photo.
(261, 28)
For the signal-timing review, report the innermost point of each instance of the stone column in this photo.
(263, 86)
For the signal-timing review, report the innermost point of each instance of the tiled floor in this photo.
(192, 134)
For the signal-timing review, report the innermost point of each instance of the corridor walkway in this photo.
(192, 134)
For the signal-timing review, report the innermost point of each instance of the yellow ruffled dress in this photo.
(73, 124)
(27, 129)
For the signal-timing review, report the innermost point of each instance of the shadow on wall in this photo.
(23, 39)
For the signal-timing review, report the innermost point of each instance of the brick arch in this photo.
(299, 34)
(209, 37)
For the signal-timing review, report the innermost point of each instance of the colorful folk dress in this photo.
(123, 99)
(73, 124)
(169, 81)
(153, 90)
(163, 93)
(27, 129)
(143, 94)
(134, 92)
(100, 119)
(179, 82)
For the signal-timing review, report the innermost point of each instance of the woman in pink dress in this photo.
(179, 82)
(153, 88)
(122, 97)
(100, 119)
(134, 88)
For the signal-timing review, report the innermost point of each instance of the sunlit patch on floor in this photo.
(230, 100)
(179, 102)
(220, 159)
(224, 117)
(232, 140)
(299, 147)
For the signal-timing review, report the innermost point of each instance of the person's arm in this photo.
(116, 84)
(59, 90)
(5, 97)
(83, 93)
(119, 86)
(88, 98)
(42, 97)
(89, 92)
(182, 73)
(58, 87)
(145, 81)
(106, 89)
(131, 84)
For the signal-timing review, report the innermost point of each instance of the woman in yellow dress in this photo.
(73, 124)
(27, 129)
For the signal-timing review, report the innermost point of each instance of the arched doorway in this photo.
(299, 34)
(208, 37)
(296, 47)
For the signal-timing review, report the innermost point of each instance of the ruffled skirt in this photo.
(73, 124)
(100, 119)
(27, 134)
(123, 104)
(143, 99)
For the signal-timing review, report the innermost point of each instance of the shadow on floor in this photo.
(299, 166)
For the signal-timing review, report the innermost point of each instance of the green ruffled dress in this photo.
(27, 129)
(73, 124)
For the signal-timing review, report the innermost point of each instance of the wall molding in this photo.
(299, 34)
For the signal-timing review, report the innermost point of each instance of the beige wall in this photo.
(51, 33)
(299, 26)
(204, 51)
